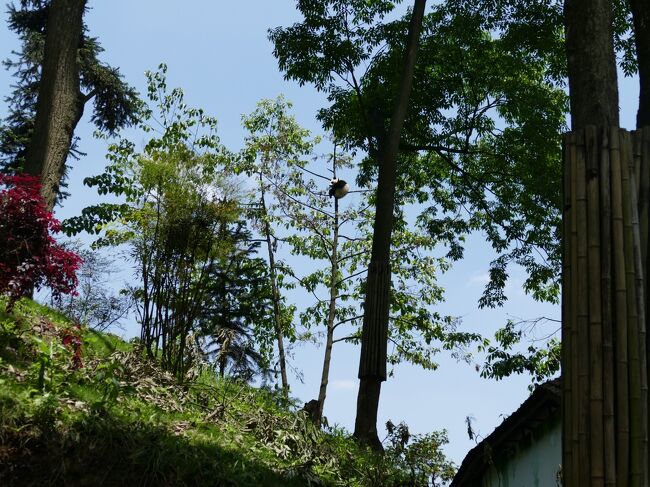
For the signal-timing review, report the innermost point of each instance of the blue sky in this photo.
(219, 54)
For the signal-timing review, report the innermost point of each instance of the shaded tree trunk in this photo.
(372, 366)
(591, 63)
(641, 17)
(60, 105)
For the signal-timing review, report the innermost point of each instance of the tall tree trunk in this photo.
(641, 17)
(591, 63)
(60, 104)
(372, 366)
(275, 291)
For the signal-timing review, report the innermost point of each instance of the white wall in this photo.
(535, 463)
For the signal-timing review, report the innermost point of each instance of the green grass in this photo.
(120, 420)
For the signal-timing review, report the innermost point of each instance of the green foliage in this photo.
(181, 221)
(506, 356)
(238, 307)
(300, 207)
(418, 457)
(107, 383)
(624, 41)
(274, 143)
(334, 36)
(538, 25)
(150, 429)
(484, 120)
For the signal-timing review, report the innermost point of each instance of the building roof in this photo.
(541, 405)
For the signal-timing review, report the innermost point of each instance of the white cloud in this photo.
(344, 384)
(481, 279)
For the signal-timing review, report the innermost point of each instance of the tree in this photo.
(487, 110)
(591, 63)
(327, 29)
(57, 108)
(339, 234)
(337, 237)
(178, 205)
(239, 306)
(273, 143)
(452, 139)
(301, 205)
(29, 255)
(58, 73)
(505, 358)
(95, 304)
(474, 138)
(374, 339)
(605, 434)
(418, 457)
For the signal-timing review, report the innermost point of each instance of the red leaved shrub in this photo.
(29, 255)
(71, 338)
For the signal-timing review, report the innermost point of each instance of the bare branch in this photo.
(352, 276)
(347, 320)
(347, 338)
(312, 172)
(295, 200)
(356, 254)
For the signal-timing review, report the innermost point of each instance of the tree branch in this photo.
(347, 320)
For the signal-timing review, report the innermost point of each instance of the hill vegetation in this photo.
(80, 407)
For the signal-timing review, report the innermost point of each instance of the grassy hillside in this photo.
(79, 407)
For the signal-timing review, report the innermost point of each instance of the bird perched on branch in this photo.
(338, 188)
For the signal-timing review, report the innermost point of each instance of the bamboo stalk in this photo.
(567, 445)
(583, 314)
(574, 478)
(633, 337)
(620, 310)
(634, 167)
(642, 168)
(644, 223)
(640, 277)
(606, 296)
(597, 471)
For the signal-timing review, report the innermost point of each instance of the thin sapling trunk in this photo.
(331, 314)
(275, 291)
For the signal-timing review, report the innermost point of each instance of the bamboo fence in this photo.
(604, 300)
